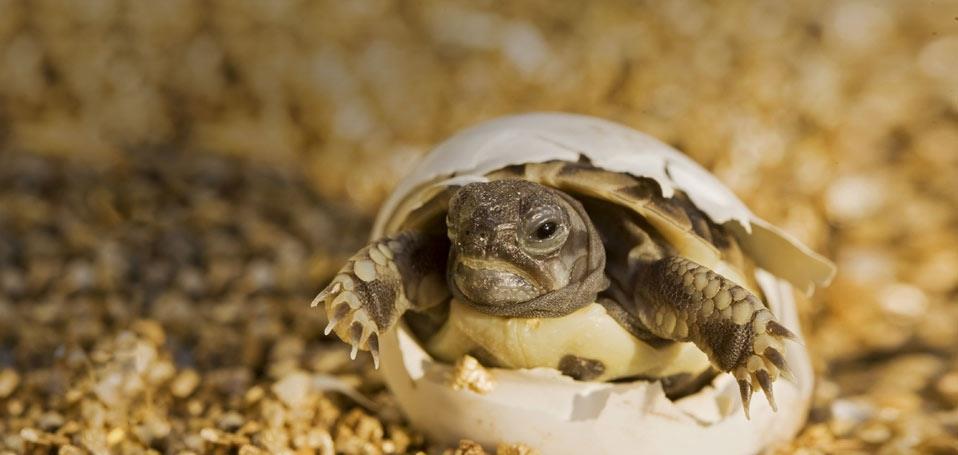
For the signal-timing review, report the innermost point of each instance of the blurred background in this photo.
(178, 178)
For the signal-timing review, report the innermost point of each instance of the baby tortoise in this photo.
(568, 266)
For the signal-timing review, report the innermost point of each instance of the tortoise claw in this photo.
(778, 330)
(766, 383)
(760, 368)
(744, 388)
(321, 297)
(355, 338)
(373, 344)
(777, 359)
(339, 312)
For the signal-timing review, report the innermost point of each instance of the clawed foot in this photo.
(688, 302)
(766, 362)
(347, 317)
(363, 299)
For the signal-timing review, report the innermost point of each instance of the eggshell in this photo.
(554, 413)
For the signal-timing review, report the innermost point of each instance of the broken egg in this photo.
(554, 413)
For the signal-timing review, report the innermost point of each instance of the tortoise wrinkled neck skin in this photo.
(513, 241)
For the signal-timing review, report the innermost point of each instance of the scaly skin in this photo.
(381, 282)
(684, 301)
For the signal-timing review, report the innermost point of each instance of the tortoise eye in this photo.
(544, 234)
(546, 230)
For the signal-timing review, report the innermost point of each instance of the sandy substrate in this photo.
(153, 296)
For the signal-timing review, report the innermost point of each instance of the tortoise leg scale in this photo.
(680, 300)
(379, 283)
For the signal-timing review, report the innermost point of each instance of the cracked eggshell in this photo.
(554, 413)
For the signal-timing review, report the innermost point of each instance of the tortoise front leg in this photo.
(382, 281)
(684, 301)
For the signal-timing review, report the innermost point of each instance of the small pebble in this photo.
(467, 447)
(469, 374)
(874, 432)
(50, 421)
(9, 379)
(185, 383)
(293, 389)
(947, 387)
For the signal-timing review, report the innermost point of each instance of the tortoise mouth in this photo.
(493, 283)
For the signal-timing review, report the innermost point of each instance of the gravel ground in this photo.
(178, 178)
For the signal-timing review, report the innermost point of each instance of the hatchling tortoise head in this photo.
(516, 244)
(566, 242)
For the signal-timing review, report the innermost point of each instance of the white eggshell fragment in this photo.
(554, 413)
